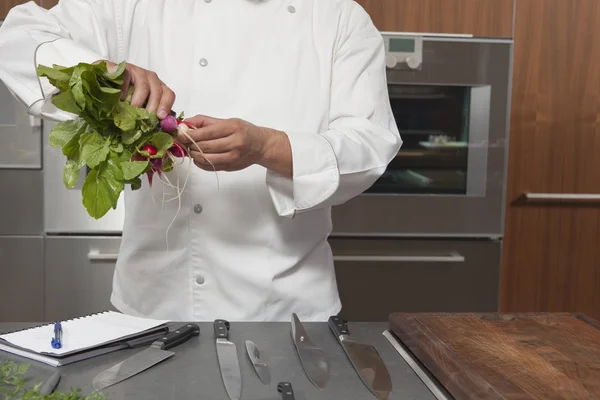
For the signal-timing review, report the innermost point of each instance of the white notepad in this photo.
(79, 335)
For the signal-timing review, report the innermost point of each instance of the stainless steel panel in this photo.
(63, 208)
(77, 284)
(21, 202)
(22, 283)
(372, 285)
(20, 134)
(484, 66)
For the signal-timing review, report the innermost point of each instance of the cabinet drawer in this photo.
(21, 202)
(79, 274)
(22, 283)
(377, 277)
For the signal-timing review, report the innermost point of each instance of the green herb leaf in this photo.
(66, 102)
(133, 169)
(63, 132)
(94, 149)
(102, 188)
(117, 76)
(71, 173)
(135, 183)
(162, 141)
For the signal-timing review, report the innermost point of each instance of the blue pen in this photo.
(57, 339)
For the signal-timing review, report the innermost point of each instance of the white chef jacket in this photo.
(254, 246)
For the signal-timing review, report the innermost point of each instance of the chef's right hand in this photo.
(148, 89)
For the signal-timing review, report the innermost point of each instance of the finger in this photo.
(221, 145)
(125, 85)
(156, 92)
(200, 121)
(216, 160)
(209, 132)
(166, 102)
(141, 90)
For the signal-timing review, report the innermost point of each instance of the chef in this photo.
(290, 107)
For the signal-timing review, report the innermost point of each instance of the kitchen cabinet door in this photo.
(79, 273)
(22, 283)
(377, 277)
(49, 3)
(488, 18)
(552, 233)
(6, 5)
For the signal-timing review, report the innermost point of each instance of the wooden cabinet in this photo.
(49, 3)
(551, 255)
(6, 5)
(491, 18)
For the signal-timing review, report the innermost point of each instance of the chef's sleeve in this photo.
(331, 167)
(71, 32)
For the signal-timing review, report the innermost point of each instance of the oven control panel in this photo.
(403, 52)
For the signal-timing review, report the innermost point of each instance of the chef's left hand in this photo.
(227, 144)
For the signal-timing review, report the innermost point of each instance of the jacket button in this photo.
(292, 9)
(200, 280)
(197, 208)
(203, 62)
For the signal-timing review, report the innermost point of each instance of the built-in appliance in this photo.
(21, 205)
(450, 99)
(427, 236)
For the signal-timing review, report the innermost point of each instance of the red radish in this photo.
(177, 150)
(188, 124)
(169, 124)
(150, 149)
(138, 157)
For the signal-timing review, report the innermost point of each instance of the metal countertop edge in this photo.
(421, 373)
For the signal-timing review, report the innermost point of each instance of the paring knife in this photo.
(286, 390)
(260, 365)
(145, 359)
(228, 360)
(314, 361)
(365, 360)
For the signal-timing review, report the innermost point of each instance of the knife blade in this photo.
(286, 390)
(313, 359)
(228, 360)
(260, 365)
(145, 359)
(365, 360)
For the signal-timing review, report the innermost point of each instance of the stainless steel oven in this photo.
(450, 97)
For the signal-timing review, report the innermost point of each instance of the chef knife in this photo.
(260, 365)
(228, 360)
(365, 360)
(145, 359)
(286, 390)
(313, 359)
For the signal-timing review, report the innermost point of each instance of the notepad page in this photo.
(82, 333)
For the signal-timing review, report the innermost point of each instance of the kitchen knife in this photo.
(313, 359)
(260, 365)
(365, 360)
(286, 390)
(145, 359)
(49, 386)
(228, 360)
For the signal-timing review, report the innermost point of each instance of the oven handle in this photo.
(452, 257)
(95, 255)
(563, 196)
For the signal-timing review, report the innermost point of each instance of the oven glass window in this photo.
(434, 122)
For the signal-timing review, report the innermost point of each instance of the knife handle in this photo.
(178, 336)
(286, 390)
(221, 329)
(145, 340)
(338, 326)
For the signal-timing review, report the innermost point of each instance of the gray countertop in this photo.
(193, 373)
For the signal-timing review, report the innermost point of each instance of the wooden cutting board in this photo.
(506, 356)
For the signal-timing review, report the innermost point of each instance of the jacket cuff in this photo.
(315, 177)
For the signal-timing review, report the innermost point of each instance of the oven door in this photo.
(451, 106)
